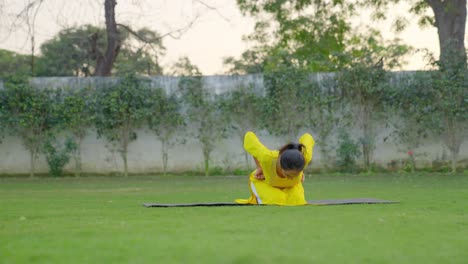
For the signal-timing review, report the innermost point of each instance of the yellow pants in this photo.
(263, 193)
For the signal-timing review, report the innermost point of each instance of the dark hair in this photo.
(291, 157)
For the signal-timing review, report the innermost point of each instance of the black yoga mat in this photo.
(312, 202)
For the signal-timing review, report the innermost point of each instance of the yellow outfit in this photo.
(274, 189)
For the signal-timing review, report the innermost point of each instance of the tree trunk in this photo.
(454, 158)
(450, 20)
(123, 154)
(207, 167)
(165, 155)
(33, 44)
(325, 159)
(32, 163)
(124, 158)
(206, 156)
(453, 141)
(78, 158)
(325, 150)
(105, 62)
(366, 140)
(125, 139)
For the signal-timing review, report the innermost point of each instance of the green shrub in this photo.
(241, 172)
(347, 152)
(217, 171)
(58, 155)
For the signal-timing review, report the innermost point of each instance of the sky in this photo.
(216, 32)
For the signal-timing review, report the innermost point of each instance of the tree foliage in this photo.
(69, 52)
(448, 16)
(347, 152)
(251, 62)
(140, 53)
(437, 101)
(364, 82)
(58, 154)
(13, 64)
(166, 121)
(78, 112)
(323, 113)
(30, 114)
(284, 106)
(203, 111)
(243, 111)
(121, 109)
(313, 32)
(364, 86)
(3, 114)
(73, 52)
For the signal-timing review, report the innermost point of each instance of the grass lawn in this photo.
(102, 220)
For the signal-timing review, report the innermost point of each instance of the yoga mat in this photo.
(312, 202)
(350, 201)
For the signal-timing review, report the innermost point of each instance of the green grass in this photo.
(102, 220)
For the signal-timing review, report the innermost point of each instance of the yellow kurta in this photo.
(274, 189)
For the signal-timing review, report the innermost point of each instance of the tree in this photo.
(346, 152)
(364, 83)
(449, 17)
(364, 87)
(450, 21)
(13, 64)
(3, 114)
(312, 32)
(78, 117)
(253, 60)
(284, 111)
(437, 101)
(243, 108)
(27, 18)
(202, 110)
(58, 154)
(407, 133)
(249, 63)
(70, 52)
(140, 53)
(121, 109)
(166, 121)
(323, 111)
(105, 60)
(105, 56)
(330, 20)
(30, 115)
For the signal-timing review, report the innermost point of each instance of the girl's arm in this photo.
(253, 145)
(308, 141)
(258, 151)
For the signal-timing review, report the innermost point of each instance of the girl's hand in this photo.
(259, 173)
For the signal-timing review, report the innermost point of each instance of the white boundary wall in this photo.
(144, 154)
